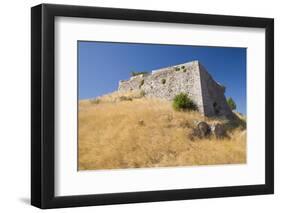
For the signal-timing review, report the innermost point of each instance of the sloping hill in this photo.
(130, 131)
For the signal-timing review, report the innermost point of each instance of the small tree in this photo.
(231, 103)
(183, 102)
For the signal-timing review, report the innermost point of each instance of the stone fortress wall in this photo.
(190, 78)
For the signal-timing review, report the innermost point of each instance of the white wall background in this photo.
(15, 105)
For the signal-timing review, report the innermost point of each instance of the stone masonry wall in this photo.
(190, 78)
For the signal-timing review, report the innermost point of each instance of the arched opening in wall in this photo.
(216, 108)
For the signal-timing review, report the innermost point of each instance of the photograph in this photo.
(160, 105)
(141, 105)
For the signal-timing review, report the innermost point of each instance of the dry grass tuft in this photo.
(145, 132)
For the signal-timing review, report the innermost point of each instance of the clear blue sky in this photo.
(102, 64)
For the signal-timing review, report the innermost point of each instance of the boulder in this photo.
(203, 129)
(219, 131)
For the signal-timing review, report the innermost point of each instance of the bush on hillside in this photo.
(231, 103)
(183, 102)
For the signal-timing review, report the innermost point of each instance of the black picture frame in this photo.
(43, 102)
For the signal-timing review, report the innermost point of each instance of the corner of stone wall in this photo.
(198, 86)
(210, 88)
(208, 111)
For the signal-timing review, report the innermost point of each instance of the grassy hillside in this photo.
(131, 131)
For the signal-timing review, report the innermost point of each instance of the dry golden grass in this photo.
(145, 132)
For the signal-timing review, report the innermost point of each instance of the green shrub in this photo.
(183, 102)
(182, 67)
(184, 70)
(141, 83)
(236, 123)
(163, 81)
(231, 103)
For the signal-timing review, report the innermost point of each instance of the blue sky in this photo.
(102, 64)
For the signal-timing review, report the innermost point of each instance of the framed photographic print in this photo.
(139, 106)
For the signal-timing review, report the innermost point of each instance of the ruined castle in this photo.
(190, 78)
